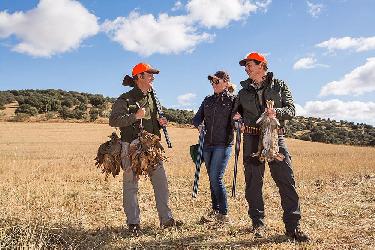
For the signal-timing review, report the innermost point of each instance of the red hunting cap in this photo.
(253, 56)
(144, 67)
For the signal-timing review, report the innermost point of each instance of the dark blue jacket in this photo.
(216, 113)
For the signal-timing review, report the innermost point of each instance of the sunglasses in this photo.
(215, 81)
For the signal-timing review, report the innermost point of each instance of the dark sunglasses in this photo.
(215, 81)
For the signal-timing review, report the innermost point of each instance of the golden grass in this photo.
(52, 196)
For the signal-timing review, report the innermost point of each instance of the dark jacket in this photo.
(123, 114)
(250, 107)
(216, 111)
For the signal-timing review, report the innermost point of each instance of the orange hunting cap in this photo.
(253, 56)
(144, 67)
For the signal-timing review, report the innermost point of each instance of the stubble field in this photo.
(52, 195)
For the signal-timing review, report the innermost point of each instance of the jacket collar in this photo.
(221, 94)
(137, 94)
(247, 83)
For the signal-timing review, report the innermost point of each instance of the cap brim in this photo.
(153, 71)
(210, 77)
(243, 62)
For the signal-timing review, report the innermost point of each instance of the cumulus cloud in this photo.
(300, 111)
(344, 43)
(53, 27)
(177, 6)
(314, 9)
(146, 35)
(186, 99)
(219, 13)
(307, 63)
(359, 81)
(339, 110)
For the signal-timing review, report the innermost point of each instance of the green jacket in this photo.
(123, 114)
(250, 107)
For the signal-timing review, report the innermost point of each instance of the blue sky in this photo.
(324, 50)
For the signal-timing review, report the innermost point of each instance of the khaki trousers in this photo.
(130, 191)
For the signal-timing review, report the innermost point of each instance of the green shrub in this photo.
(94, 114)
(20, 117)
(26, 109)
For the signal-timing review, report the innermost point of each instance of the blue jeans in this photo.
(216, 159)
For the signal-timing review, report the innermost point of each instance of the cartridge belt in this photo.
(256, 131)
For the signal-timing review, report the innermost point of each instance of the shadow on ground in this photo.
(16, 235)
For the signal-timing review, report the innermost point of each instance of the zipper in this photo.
(213, 120)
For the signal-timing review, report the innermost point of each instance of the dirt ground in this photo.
(52, 195)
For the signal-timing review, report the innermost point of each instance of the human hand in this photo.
(140, 113)
(271, 113)
(237, 116)
(163, 121)
(200, 127)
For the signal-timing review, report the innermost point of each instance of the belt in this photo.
(256, 131)
(251, 130)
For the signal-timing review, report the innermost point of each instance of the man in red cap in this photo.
(132, 109)
(251, 103)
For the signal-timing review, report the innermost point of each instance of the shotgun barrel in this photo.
(161, 114)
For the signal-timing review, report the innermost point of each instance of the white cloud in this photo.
(307, 63)
(359, 81)
(314, 9)
(53, 27)
(147, 35)
(263, 5)
(355, 111)
(177, 6)
(186, 99)
(344, 43)
(300, 111)
(219, 13)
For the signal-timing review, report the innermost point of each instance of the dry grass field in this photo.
(52, 195)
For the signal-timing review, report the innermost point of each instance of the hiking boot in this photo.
(297, 235)
(134, 229)
(171, 223)
(222, 218)
(258, 231)
(209, 217)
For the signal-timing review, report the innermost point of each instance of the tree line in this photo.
(57, 104)
(67, 105)
(331, 131)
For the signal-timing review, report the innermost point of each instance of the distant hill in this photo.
(331, 131)
(51, 104)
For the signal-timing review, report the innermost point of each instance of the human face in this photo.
(253, 70)
(219, 85)
(145, 81)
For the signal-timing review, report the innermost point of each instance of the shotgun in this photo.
(198, 161)
(161, 115)
(237, 125)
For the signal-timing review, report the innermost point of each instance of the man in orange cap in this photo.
(251, 103)
(132, 110)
